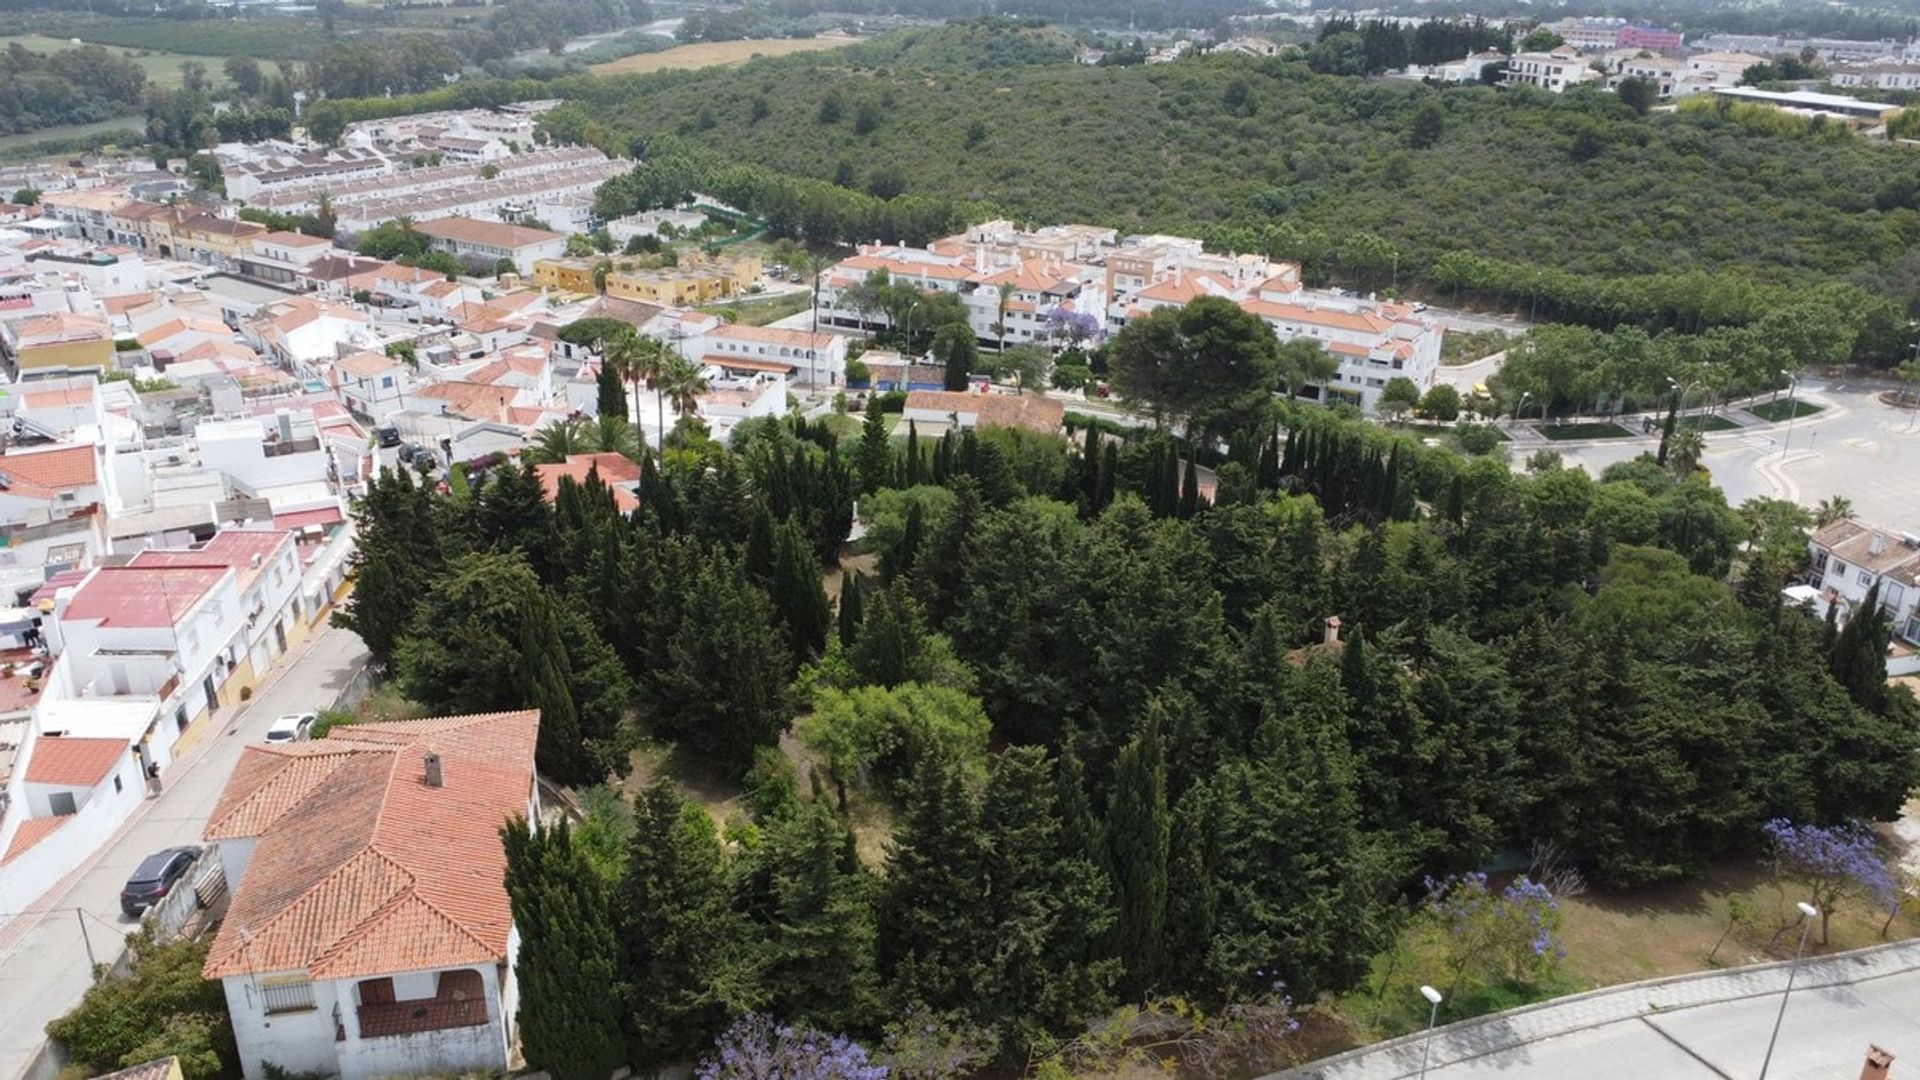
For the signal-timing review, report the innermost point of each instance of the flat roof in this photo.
(99, 718)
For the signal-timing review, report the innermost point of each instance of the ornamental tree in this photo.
(1836, 864)
(757, 1048)
(1510, 935)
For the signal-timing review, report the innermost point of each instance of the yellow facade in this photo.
(573, 275)
(673, 288)
(70, 355)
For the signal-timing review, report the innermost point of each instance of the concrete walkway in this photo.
(43, 957)
(1713, 1024)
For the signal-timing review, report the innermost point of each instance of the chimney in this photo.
(1332, 636)
(1879, 1064)
(1877, 543)
(435, 777)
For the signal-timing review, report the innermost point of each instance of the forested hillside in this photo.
(1356, 178)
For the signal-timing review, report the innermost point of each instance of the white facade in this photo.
(1550, 71)
(257, 454)
(1848, 559)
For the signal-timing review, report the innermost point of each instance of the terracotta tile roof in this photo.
(363, 365)
(154, 335)
(62, 326)
(61, 469)
(367, 870)
(142, 596)
(466, 230)
(475, 401)
(283, 238)
(120, 305)
(748, 363)
(31, 832)
(1363, 322)
(1853, 543)
(56, 399)
(300, 519)
(615, 470)
(70, 762)
(1033, 275)
(773, 335)
(220, 351)
(1029, 411)
(234, 548)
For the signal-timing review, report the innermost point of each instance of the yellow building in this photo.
(207, 238)
(572, 275)
(60, 343)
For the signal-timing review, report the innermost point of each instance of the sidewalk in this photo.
(1468, 1040)
(43, 958)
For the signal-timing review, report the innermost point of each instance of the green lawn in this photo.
(1602, 430)
(1784, 409)
(761, 310)
(21, 147)
(162, 68)
(1709, 423)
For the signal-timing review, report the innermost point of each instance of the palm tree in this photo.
(1000, 327)
(562, 439)
(1684, 450)
(1831, 509)
(621, 354)
(814, 265)
(683, 382)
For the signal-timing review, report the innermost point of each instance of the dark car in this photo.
(389, 436)
(154, 878)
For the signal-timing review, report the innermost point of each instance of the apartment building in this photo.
(491, 241)
(1550, 71)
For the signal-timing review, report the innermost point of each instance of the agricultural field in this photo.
(716, 54)
(162, 68)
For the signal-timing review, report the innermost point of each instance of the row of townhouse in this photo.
(1076, 283)
(160, 229)
(426, 180)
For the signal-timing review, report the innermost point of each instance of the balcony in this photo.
(414, 1017)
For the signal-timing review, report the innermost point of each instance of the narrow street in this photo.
(43, 957)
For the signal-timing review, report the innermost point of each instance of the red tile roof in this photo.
(300, 519)
(31, 832)
(61, 759)
(361, 868)
(615, 470)
(146, 596)
(60, 469)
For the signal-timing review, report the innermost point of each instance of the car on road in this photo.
(292, 727)
(154, 878)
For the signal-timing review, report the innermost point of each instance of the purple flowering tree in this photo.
(1512, 934)
(1073, 327)
(760, 1048)
(1835, 863)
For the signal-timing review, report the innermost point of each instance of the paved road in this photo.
(1706, 1026)
(43, 960)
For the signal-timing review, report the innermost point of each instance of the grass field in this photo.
(761, 310)
(19, 147)
(1784, 409)
(162, 68)
(715, 54)
(1558, 432)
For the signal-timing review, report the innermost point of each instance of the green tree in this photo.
(933, 934)
(1442, 402)
(1210, 364)
(1399, 398)
(691, 957)
(820, 925)
(569, 967)
(163, 1007)
(1139, 829)
(1638, 94)
(722, 686)
(797, 595)
(1429, 123)
(396, 548)
(957, 352)
(874, 457)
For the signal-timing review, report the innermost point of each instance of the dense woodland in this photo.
(1122, 757)
(1687, 220)
(70, 86)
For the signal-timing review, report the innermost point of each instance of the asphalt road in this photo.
(43, 958)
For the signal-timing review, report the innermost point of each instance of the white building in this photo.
(1550, 71)
(1849, 559)
(1722, 67)
(370, 933)
(1879, 76)
(491, 241)
(818, 360)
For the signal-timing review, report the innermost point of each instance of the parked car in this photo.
(389, 437)
(154, 878)
(292, 727)
(408, 452)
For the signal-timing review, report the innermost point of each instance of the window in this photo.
(1839, 569)
(462, 985)
(285, 994)
(1865, 577)
(376, 991)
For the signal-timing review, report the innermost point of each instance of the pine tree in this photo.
(820, 932)
(722, 685)
(797, 595)
(943, 567)
(1192, 889)
(899, 560)
(893, 639)
(396, 549)
(913, 471)
(874, 457)
(689, 955)
(934, 928)
(513, 516)
(1138, 827)
(568, 968)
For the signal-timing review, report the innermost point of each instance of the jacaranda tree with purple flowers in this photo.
(1511, 935)
(760, 1048)
(1074, 328)
(1835, 864)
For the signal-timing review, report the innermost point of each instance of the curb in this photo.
(1817, 974)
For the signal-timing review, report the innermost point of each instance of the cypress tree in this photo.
(760, 548)
(820, 927)
(899, 560)
(610, 395)
(1190, 491)
(513, 515)
(892, 639)
(1166, 494)
(568, 967)
(1103, 484)
(689, 965)
(851, 588)
(943, 568)
(722, 685)
(875, 454)
(797, 595)
(1138, 828)
(935, 928)
(913, 468)
(1858, 659)
(561, 752)
(1192, 888)
(1090, 458)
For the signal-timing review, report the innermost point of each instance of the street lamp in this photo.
(1807, 914)
(1433, 999)
(1517, 406)
(1793, 411)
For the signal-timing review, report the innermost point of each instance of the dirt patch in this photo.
(715, 54)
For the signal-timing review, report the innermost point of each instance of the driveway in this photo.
(43, 958)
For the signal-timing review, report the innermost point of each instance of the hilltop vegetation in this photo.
(1367, 182)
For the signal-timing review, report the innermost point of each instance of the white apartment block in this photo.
(1550, 71)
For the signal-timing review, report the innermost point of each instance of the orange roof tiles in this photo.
(465, 230)
(31, 832)
(363, 869)
(614, 470)
(773, 335)
(1362, 322)
(475, 401)
(60, 469)
(71, 762)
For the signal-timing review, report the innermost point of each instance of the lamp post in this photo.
(1793, 411)
(1517, 406)
(1433, 998)
(1807, 914)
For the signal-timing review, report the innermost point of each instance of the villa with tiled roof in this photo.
(370, 933)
